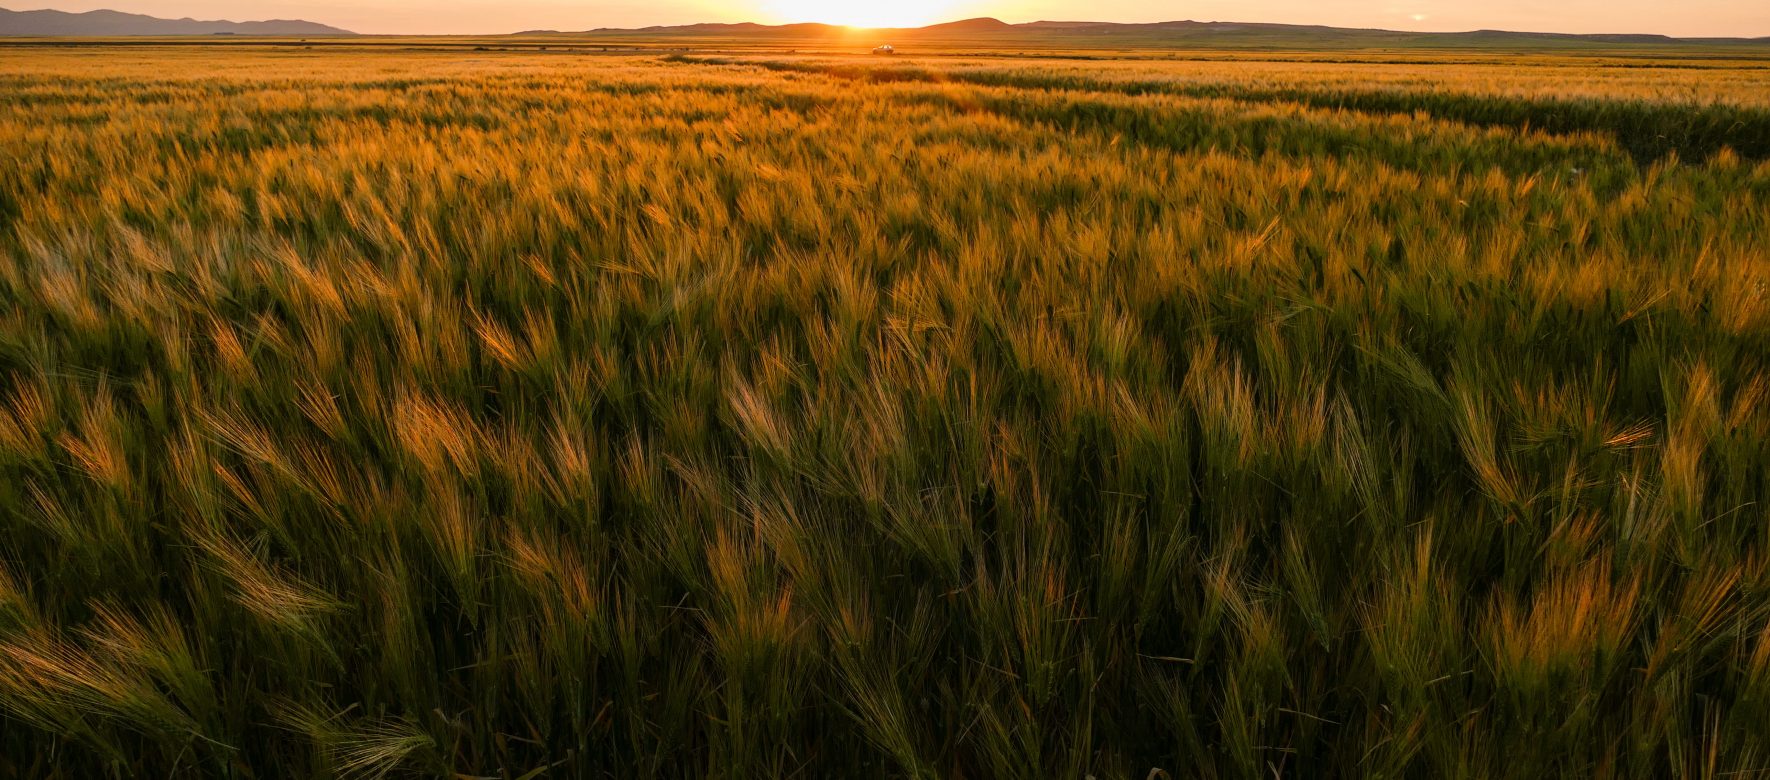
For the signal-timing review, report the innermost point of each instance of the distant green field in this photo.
(637, 407)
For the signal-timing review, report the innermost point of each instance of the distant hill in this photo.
(971, 25)
(1182, 34)
(108, 23)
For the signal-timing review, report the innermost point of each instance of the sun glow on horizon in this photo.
(862, 13)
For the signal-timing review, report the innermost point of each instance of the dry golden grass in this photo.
(368, 412)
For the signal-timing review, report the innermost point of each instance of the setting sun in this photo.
(863, 13)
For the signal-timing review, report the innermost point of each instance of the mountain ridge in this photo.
(1182, 31)
(105, 23)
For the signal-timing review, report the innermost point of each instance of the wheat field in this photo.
(489, 414)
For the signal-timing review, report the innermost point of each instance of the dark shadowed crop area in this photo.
(516, 415)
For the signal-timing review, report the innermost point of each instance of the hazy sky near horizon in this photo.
(1744, 18)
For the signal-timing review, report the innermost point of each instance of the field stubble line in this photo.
(1647, 131)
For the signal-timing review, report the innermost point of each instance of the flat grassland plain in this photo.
(381, 410)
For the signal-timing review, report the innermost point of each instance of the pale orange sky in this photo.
(1744, 18)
